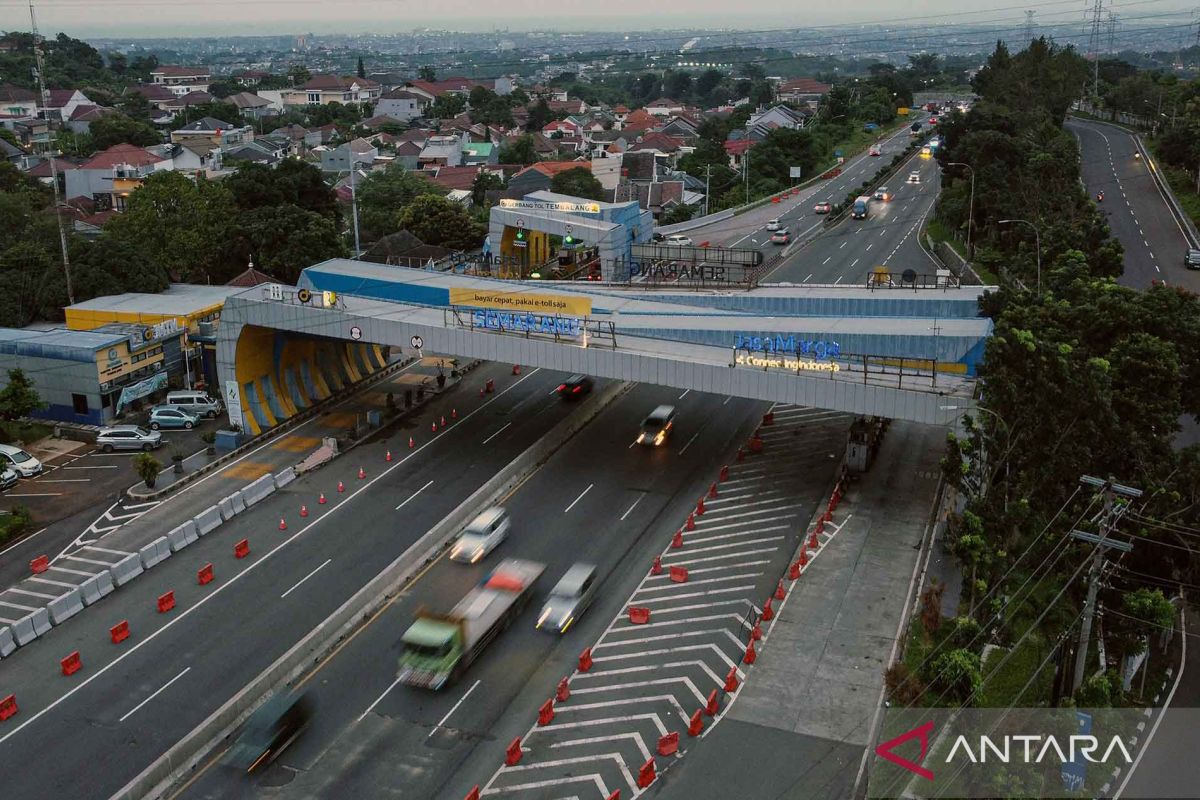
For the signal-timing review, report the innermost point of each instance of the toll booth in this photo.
(866, 434)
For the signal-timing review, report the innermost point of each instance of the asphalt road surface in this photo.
(86, 735)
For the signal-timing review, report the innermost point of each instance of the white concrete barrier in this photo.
(208, 520)
(282, 479)
(95, 587)
(7, 642)
(182, 536)
(66, 606)
(153, 553)
(259, 490)
(127, 569)
(28, 628)
(226, 508)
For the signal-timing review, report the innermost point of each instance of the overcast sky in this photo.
(187, 17)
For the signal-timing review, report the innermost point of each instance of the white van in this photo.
(196, 402)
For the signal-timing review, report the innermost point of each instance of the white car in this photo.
(772, 224)
(19, 461)
(914, 177)
(678, 240)
(883, 193)
(483, 535)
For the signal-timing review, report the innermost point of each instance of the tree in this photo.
(680, 213)
(518, 151)
(439, 221)
(955, 675)
(114, 129)
(578, 182)
(147, 467)
(135, 105)
(299, 75)
(383, 195)
(292, 182)
(426, 72)
(539, 115)
(285, 239)
(362, 70)
(19, 398)
(219, 110)
(484, 182)
(1144, 612)
(447, 105)
(707, 82)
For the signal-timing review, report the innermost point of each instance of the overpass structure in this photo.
(897, 353)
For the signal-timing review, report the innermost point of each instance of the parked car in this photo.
(569, 598)
(8, 478)
(823, 207)
(171, 417)
(19, 461)
(678, 240)
(772, 224)
(914, 176)
(780, 236)
(198, 403)
(1192, 259)
(270, 729)
(481, 536)
(656, 428)
(575, 387)
(127, 437)
(883, 193)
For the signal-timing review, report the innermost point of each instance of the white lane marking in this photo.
(33, 594)
(843, 245)
(869, 247)
(414, 494)
(497, 433)
(49, 494)
(67, 480)
(23, 541)
(161, 689)
(17, 605)
(689, 442)
(839, 280)
(371, 707)
(727, 399)
(809, 276)
(106, 550)
(306, 577)
(632, 507)
(453, 709)
(577, 499)
(685, 393)
(855, 262)
(97, 466)
(826, 261)
(134, 506)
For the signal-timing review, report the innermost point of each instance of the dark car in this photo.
(575, 386)
(1192, 259)
(270, 729)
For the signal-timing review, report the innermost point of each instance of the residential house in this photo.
(380, 121)
(640, 121)
(158, 97)
(261, 151)
(295, 134)
(17, 102)
(82, 117)
(181, 80)
(43, 171)
(538, 177)
(660, 196)
(639, 166)
(191, 157)
(666, 148)
(325, 89)
(442, 151)
(183, 102)
(402, 104)
(339, 159)
(664, 107)
(620, 112)
(454, 178)
(737, 149)
(326, 134)
(408, 154)
(251, 105)
(603, 144)
(568, 147)
(31, 132)
(568, 106)
(214, 132)
(549, 94)
(782, 116)
(63, 103)
(681, 126)
(476, 153)
(805, 91)
(607, 170)
(432, 90)
(564, 127)
(10, 152)
(85, 219)
(109, 177)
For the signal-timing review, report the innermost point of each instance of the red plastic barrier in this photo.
(119, 632)
(646, 774)
(656, 567)
(695, 723)
(546, 712)
(563, 691)
(166, 602)
(242, 549)
(8, 707)
(585, 660)
(39, 565)
(638, 615)
(473, 794)
(512, 756)
(768, 613)
(205, 574)
(779, 593)
(71, 664)
(667, 745)
(677, 540)
(679, 574)
(713, 705)
(724, 473)
(774, 199)
(731, 681)
(751, 654)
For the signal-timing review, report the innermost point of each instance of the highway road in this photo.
(1137, 213)
(88, 734)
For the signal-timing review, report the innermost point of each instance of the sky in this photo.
(113, 18)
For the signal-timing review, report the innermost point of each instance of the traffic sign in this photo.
(355, 332)
(417, 342)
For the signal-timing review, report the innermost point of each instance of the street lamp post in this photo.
(1038, 238)
(971, 204)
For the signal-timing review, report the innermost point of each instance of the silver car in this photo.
(569, 598)
(127, 437)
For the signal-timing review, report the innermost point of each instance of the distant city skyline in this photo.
(265, 17)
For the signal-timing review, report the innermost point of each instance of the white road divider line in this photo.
(577, 499)
(414, 494)
(161, 689)
(673, 586)
(306, 577)
(695, 436)
(703, 570)
(453, 708)
(497, 433)
(629, 510)
(635, 737)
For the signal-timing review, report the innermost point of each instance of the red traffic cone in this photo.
(731, 680)
(812, 541)
(768, 613)
(700, 506)
(388, 457)
(712, 491)
(794, 571)
(756, 632)
(751, 654)
(779, 593)
(443, 420)
(433, 426)
(341, 487)
(411, 443)
(282, 524)
(321, 500)
(361, 473)
(304, 511)
(677, 540)
(454, 413)
(656, 567)
(516, 369)
(481, 391)
(803, 560)
(691, 522)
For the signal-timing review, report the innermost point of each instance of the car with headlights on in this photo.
(481, 536)
(569, 598)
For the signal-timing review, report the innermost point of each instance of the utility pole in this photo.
(1094, 44)
(40, 61)
(707, 178)
(354, 200)
(1108, 523)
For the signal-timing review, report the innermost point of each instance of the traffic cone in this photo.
(341, 487)
(516, 369)
(321, 500)
(454, 413)
(282, 524)
(481, 391)
(794, 571)
(751, 654)
(691, 522)
(803, 557)
(656, 567)
(700, 506)
(756, 632)
(411, 443)
(388, 457)
(433, 426)
(304, 511)
(361, 474)
(677, 540)
(712, 491)
(779, 593)
(443, 420)
(812, 541)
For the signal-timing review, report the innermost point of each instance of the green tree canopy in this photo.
(284, 239)
(383, 195)
(19, 398)
(439, 221)
(578, 182)
(116, 129)
(518, 151)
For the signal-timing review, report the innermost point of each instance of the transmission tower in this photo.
(40, 61)
(1094, 34)
(1112, 32)
(1029, 26)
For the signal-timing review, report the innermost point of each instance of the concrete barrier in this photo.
(259, 490)
(208, 520)
(66, 606)
(238, 502)
(182, 536)
(185, 755)
(127, 569)
(7, 642)
(155, 552)
(97, 586)
(282, 479)
(26, 629)
(226, 508)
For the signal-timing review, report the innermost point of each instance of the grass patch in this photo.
(1003, 685)
(26, 432)
(14, 523)
(940, 233)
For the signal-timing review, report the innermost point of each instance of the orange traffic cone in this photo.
(282, 524)
(341, 487)
(304, 511)
(361, 473)
(321, 500)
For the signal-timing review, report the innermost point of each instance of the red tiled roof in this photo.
(120, 154)
(86, 113)
(665, 102)
(640, 120)
(60, 97)
(552, 168)
(658, 141)
(455, 84)
(154, 93)
(620, 109)
(736, 148)
(804, 86)
(251, 277)
(11, 94)
(42, 168)
(451, 177)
